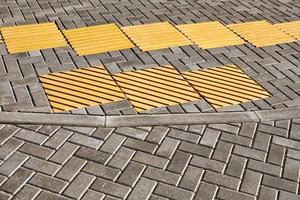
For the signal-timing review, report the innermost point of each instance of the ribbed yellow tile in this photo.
(260, 33)
(80, 88)
(291, 28)
(97, 39)
(155, 87)
(225, 86)
(32, 37)
(210, 34)
(155, 36)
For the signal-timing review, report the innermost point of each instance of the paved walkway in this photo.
(245, 156)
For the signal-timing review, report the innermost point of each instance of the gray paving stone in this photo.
(71, 168)
(167, 147)
(42, 166)
(9, 148)
(131, 174)
(121, 158)
(93, 195)
(143, 189)
(151, 160)
(15, 182)
(206, 192)
(210, 137)
(236, 166)
(161, 176)
(251, 182)
(48, 183)
(13, 163)
(268, 193)
(231, 194)
(64, 153)
(101, 171)
(191, 178)
(93, 155)
(79, 185)
(208, 164)
(173, 192)
(111, 188)
(222, 180)
(86, 141)
(179, 162)
(27, 193)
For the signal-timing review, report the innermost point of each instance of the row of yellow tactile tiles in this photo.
(149, 88)
(109, 37)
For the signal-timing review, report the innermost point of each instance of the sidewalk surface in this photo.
(110, 151)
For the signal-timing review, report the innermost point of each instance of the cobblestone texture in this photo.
(220, 161)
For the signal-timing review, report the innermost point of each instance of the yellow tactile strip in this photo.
(80, 88)
(155, 87)
(155, 36)
(32, 37)
(225, 86)
(260, 33)
(210, 34)
(97, 39)
(291, 28)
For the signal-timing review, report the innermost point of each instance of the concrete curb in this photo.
(148, 120)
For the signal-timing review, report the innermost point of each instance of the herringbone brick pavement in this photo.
(276, 68)
(220, 161)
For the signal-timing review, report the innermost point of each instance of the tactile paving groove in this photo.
(155, 36)
(225, 86)
(97, 39)
(291, 28)
(155, 87)
(210, 35)
(80, 88)
(32, 37)
(260, 33)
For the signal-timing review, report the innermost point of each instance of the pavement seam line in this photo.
(146, 120)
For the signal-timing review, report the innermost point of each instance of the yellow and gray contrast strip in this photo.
(225, 86)
(260, 33)
(153, 36)
(210, 35)
(155, 87)
(97, 39)
(80, 88)
(291, 28)
(32, 37)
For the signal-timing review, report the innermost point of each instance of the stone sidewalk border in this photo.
(148, 120)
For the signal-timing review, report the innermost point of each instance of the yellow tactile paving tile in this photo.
(225, 86)
(97, 39)
(291, 28)
(155, 36)
(260, 33)
(32, 37)
(155, 87)
(210, 34)
(80, 88)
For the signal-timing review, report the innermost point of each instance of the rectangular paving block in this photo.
(225, 86)
(210, 34)
(155, 36)
(97, 39)
(155, 87)
(260, 33)
(291, 28)
(80, 88)
(32, 37)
